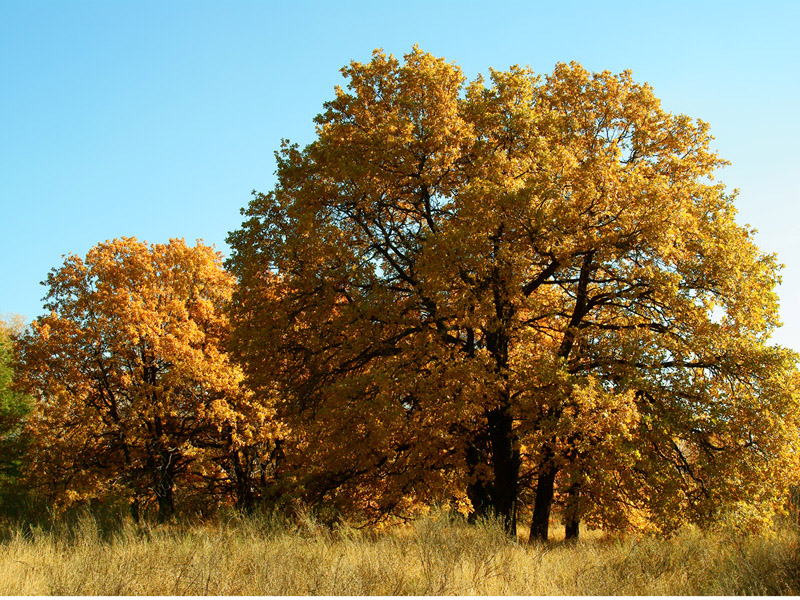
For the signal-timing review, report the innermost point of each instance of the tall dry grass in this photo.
(437, 555)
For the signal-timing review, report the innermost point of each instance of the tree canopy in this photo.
(136, 396)
(512, 293)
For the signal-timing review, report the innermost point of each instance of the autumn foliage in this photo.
(136, 395)
(513, 296)
(517, 292)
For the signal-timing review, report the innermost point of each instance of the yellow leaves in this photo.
(594, 428)
(395, 115)
(130, 366)
(551, 246)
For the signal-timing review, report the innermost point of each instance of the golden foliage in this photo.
(521, 289)
(135, 393)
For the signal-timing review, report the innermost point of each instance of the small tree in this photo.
(135, 393)
(14, 406)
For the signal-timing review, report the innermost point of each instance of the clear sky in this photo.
(156, 119)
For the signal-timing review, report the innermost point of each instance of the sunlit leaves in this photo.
(469, 289)
(135, 393)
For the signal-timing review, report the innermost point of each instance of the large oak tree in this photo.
(521, 289)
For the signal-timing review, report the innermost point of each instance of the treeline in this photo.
(512, 296)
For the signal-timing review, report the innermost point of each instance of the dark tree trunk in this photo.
(571, 514)
(547, 470)
(245, 498)
(505, 459)
(134, 510)
(478, 490)
(571, 528)
(505, 468)
(164, 486)
(545, 486)
(166, 504)
(495, 496)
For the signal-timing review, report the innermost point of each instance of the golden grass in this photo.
(436, 555)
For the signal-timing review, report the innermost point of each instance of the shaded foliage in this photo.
(14, 406)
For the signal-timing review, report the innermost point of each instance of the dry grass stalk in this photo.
(435, 555)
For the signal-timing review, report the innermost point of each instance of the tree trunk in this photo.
(571, 516)
(505, 459)
(495, 447)
(505, 468)
(545, 486)
(134, 510)
(571, 528)
(166, 505)
(478, 490)
(164, 486)
(245, 498)
(547, 471)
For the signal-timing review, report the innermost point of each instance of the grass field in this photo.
(435, 555)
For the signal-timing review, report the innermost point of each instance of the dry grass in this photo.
(435, 555)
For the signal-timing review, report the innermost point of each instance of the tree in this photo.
(14, 406)
(527, 290)
(135, 393)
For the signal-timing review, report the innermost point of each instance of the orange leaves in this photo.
(132, 379)
(460, 289)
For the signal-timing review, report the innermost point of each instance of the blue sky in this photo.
(157, 119)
